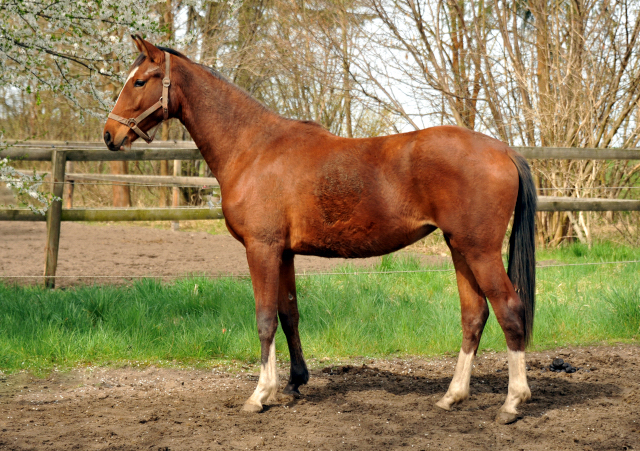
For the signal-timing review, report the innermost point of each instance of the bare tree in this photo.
(313, 47)
(532, 72)
(535, 73)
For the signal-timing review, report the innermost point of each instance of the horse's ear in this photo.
(134, 38)
(150, 51)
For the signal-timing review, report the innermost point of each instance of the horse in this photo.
(291, 187)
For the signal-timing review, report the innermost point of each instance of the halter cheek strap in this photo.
(163, 103)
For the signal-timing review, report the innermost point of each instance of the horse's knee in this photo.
(289, 322)
(267, 325)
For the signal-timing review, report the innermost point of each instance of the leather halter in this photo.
(163, 103)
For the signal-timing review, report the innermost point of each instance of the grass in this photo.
(202, 322)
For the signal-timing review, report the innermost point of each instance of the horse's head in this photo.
(144, 100)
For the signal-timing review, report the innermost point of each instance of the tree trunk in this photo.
(121, 191)
(167, 18)
(346, 81)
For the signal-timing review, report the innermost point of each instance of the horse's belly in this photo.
(357, 240)
(354, 212)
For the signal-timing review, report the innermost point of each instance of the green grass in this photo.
(206, 321)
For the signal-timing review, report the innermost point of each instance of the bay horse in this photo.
(291, 187)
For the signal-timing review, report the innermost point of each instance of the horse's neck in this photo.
(223, 121)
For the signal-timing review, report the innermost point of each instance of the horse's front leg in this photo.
(289, 317)
(264, 266)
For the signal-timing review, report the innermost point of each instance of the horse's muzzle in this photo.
(108, 140)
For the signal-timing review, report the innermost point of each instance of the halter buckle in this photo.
(166, 82)
(132, 123)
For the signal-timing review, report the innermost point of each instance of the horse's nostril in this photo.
(107, 138)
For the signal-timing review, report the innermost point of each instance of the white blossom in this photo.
(70, 48)
(26, 184)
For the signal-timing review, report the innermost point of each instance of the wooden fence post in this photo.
(121, 191)
(69, 187)
(177, 171)
(54, 214)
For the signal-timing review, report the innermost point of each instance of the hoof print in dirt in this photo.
(560, 366)
(336, 371)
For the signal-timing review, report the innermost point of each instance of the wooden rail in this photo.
(118, 214)
(164, 180)
(545, 203)
(564, 153)
(186, 150)
(549, 203)
(44, 154)
(61, 152)
(149, 179)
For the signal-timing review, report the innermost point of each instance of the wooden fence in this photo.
(59, 153)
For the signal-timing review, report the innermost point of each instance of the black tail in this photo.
(522, 248)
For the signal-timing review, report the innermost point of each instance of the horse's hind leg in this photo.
(474, 316)
(509, 310)
(289, 317)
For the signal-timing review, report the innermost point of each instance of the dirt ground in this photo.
(360, 404)
(366, 404)
(124, 252)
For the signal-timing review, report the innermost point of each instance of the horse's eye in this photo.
(139, 83)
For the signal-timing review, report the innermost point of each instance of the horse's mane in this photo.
(172, 51)
(141, 57)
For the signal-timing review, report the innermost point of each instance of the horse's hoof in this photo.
(250, 407)
(292, 390)
(444, 405)
(507, 417)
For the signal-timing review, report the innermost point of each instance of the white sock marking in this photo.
(518, 387)
(268, 382)
(459, 387)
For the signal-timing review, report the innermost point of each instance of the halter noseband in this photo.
(163, 103)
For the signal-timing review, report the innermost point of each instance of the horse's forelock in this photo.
(141, 57)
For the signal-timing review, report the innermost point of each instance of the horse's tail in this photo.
(522, 258)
